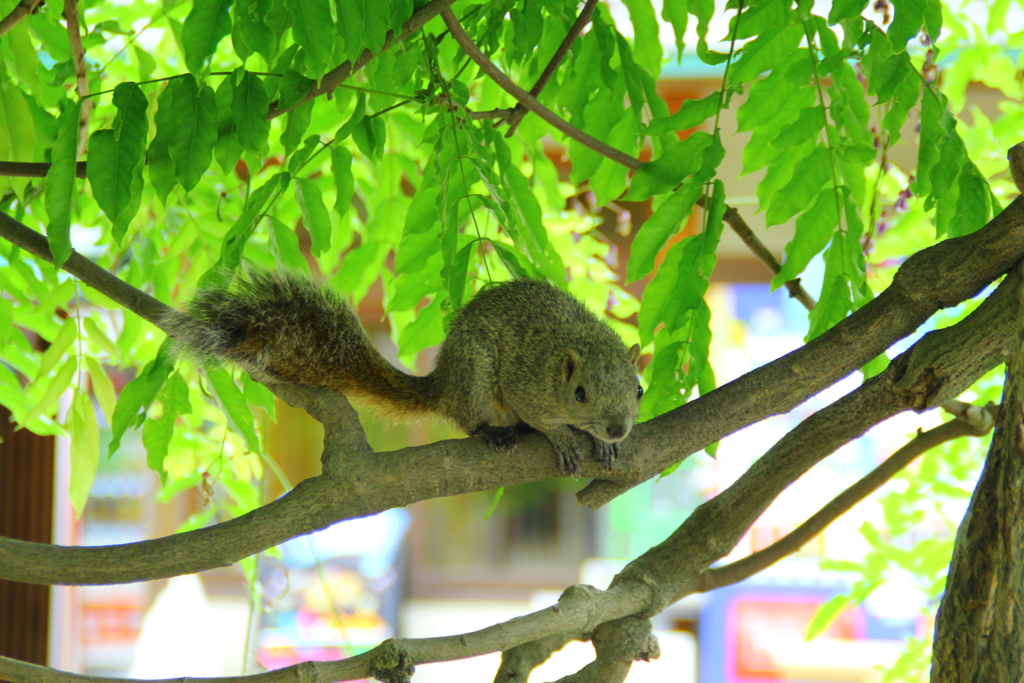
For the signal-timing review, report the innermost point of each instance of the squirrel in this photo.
(520, 356)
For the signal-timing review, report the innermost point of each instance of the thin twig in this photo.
(764, 255)
(530, 102)
(333, 78)
(20, 11)
(581, 21)
(735, 572)
(82, 80)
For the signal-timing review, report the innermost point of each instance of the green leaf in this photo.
(238, 236)
(679, 160)
(826, 614)
(116, 158)
(890, 75)
(297, 124)
(314, 214)
(344, 183)
(61, 343)
(204, 27)
(972, 208)
(420, 235)
(835, 300)
(249, 106)
(294, 86)
(691, 114)
(195, 130)
(646, 46)
(814, 172)
(26, 61)
(351, 26)
(313, 30)
(156, 438)
(533, 236)
(158, 158)
(102, 387)
(19, 118)
(814, 230)
(284, 245)
(138, 394)
(907, 21)
(256, 394)
(60, 185)
(227, 150)
(257, 35)
(904, 97)
(807, 126)
(677, 14)
(765, 52)
(845, 9)
(85, 450)
(57, 386)
(235, 407)
(664, 223)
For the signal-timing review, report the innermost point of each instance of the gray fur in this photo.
(517, 356)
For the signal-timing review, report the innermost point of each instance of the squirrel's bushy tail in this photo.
(283, 327)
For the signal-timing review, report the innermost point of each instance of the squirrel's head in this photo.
(600, 393)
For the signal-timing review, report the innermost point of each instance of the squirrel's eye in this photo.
(581, 395)
(639, 392)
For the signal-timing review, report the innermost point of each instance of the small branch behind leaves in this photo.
(20, 11)
(582, 20)
(70, 15)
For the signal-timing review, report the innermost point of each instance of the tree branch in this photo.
(932, 279)
(338, 75)
(528, 100)
(978, 630)
(70, 15)
(936, 277)
(531, 103)
(33, 169)
(515, 117)
(20, 11)
(937, 368)
(716, 577)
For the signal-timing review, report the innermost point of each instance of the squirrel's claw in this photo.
(498, 438)
(605, 453)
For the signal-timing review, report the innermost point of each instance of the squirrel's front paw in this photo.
(570, 448)
(605, 453)
(498, 438)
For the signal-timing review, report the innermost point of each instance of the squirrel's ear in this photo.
(634, 355)
(569, 363)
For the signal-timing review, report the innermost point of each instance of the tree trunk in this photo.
(979, 631)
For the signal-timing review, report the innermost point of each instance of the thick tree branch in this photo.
(515, 117)
(936, 277)
(979, 633)
(936, 369)
(338, 75)
(20, 11)
(932, 279)
(742, 569)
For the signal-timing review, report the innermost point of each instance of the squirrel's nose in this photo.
(617, 432)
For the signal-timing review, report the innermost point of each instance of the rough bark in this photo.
(979, 631)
